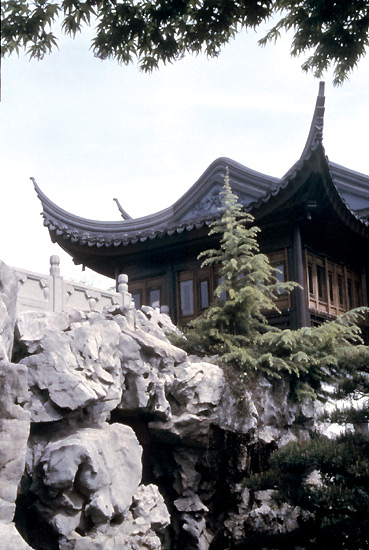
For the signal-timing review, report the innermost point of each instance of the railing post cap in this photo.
(54, 265)
(54, 260)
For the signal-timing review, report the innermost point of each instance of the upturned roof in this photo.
(195, 208)
(348, 191)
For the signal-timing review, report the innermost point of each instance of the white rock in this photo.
(32, 325)
(272, 518)
(76, 369)
(157, 347)
(14, 431)
(148, 504)
(145, 389)
(190, 503)
(314, 479)
(10, 539)
(90, 474)
(139, 530)
(158, 324)
(197, 387)
(187, 476)
(8, 302)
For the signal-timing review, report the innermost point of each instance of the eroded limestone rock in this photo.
(10, 538)
(87, 372)
(31, 326)
(8, 303)
(269, 517)
(84, 478)
(14, 431)
(142, 527)
(75, 370)
(194, 392)
(158, 324)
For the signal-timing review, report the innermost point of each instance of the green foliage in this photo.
(248, 288)
(234, 328)
(337, 496)
(348, 414)
(151, 30)
(314, 357)
(24, 25)
(352, 386)
(331, 31)
(354, 363)
(161, 30)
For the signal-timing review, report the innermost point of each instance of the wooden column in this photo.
(116, 275)
(170, 297)
(302, 316)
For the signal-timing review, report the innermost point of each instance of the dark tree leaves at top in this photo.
(332, 33)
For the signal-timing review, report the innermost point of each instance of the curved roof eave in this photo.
(66, 226)
(52, 210)
(315, 160)
(83, 230)
(290, 183)
(315, 136)
(348, 216)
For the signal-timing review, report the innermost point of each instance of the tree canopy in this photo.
(331, 32)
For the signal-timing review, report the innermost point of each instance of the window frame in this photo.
(211, 275)
(278, 258)
(144, 286)
(338, 279)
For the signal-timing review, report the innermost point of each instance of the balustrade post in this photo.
(57, 298)
(123, 290)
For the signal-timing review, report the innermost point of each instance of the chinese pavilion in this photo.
(314, 229)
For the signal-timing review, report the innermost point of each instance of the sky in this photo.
(90, 130)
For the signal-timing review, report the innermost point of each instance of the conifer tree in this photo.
(248, 287)
(235, 329)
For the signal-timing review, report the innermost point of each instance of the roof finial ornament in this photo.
(124, 214)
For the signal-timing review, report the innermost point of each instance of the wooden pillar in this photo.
(302, 316)
(116, 275)
(170, 295)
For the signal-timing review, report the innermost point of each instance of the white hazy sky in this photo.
(89, 131)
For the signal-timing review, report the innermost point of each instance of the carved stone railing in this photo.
(52, 292)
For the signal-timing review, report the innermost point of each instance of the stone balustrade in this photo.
(37, 292)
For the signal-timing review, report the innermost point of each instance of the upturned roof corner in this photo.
(315, 136)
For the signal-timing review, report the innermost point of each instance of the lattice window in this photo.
(332, 288)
